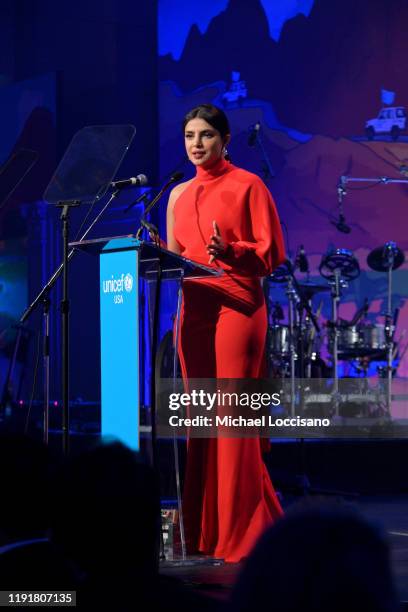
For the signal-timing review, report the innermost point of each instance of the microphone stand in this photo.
(66, 206)
(381, 180)
(340, 223)
(43, 297)
(153, 203)
(153, 352)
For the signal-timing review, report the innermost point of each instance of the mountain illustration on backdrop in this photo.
(363, 40)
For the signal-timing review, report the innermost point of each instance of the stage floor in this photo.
(391, 513)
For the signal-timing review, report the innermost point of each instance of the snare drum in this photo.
(372, 336)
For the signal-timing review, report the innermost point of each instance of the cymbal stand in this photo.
(308, 345)
(46, 363)
(291, 293)
(335, 294)
(389, 254)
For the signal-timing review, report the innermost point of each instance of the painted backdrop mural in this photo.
(312, 95)
(27, 159)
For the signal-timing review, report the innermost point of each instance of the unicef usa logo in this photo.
(128, 281)
(117, 286)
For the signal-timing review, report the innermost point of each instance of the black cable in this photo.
(37, 360)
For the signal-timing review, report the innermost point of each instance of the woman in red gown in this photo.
(224, 217)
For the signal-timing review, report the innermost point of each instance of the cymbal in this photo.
(381, 258)
(310, 288)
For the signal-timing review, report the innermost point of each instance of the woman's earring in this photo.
(225, 154)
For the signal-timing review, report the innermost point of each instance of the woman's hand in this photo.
(217, 247)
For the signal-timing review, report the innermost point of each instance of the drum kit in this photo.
(295, 347)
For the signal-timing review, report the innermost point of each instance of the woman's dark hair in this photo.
(212, 115)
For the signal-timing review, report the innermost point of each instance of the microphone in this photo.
(301, 260)
(142, 198)
(253, 135)
(341, 225)
(138, 181)
(176, 176)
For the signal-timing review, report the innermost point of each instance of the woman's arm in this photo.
(172, 243)
(175, 193)
(265, 251)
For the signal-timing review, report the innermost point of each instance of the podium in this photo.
(124, 262)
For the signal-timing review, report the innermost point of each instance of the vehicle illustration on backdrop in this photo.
(237, 91)
(391, 120)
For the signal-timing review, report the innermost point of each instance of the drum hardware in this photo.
(306, 333)
(397, 345)
(292, 297)
(350, 341)
(382, 371)
(361, 313)
(277, 312)
(313, 346)
(285, 338)
(280, 336)
(341, 260)
(340, 223)
(338, 267)
(297, 299)
(362, 340)
(386, 259)
(309, 288)
(301, 261)
(359, 341)
(373, 337)
(281, 274)
(279, 340)
(308, 337)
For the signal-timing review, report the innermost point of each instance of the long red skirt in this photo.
(228, 497)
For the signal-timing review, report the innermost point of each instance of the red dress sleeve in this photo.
(265, 250)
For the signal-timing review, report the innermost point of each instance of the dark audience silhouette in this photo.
(28, 560)
(324, 559)
(92, 524)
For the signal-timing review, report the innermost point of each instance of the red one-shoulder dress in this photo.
(228, 497)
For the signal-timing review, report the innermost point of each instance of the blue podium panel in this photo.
(120, 346)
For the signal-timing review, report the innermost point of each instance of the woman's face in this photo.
(204, 144)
